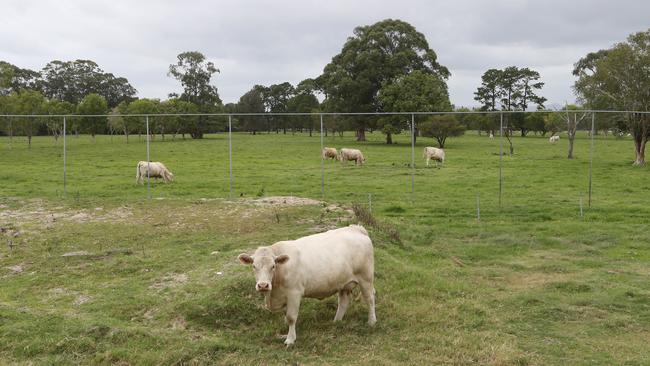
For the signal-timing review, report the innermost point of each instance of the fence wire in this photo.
(251, 173)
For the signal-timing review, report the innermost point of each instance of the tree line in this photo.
(384, 67)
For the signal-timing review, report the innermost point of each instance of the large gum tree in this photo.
(371, 58)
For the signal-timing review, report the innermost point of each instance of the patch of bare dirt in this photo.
(169, 281)
(35, 212)
(286, 201)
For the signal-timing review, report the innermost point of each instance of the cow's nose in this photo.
(263, 286)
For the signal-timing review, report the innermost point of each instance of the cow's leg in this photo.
(428, 159)
(293, 305)
(344, 300)
(368, 292)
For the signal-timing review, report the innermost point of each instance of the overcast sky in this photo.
(268, 42)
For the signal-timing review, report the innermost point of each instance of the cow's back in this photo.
(321, 264)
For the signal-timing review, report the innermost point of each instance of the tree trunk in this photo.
(389, 138)
(361, 134)
(29, 141)
(639, 149)
(571, 139)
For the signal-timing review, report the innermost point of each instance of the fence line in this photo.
(322, 132)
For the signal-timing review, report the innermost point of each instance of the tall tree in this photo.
(304, 101)
(194, 73)
(373, 56)
(94, 106)
(489, 93)
(28, 102)
(276, 100)
(251, 102)
(618, 78)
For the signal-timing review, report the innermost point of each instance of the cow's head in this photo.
(264, 264)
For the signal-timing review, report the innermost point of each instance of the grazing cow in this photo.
(330, 153)
(491, 135)
(351, 154)
(434, 153)
(553, 139)
(156, 170)
(315, 266)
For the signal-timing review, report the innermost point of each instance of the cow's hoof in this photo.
(289, 342)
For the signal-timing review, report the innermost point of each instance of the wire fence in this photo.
(379, 183)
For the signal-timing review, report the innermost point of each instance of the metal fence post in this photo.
(65, 157)
(322, 161)
(412, 155)
(500, 158)
(591, 154)
(148, 161)
(230, 152)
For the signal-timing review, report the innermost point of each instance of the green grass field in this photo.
(532, 283)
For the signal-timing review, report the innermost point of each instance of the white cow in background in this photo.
(351, 154)
(553, 139)
(315, 266)
(434, 153)
(156, 170)
(491, 135)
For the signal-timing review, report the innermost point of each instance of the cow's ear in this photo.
(245, 258)
(283, 258)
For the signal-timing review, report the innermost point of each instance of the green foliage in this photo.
(14, 79)
(618, 78)
(71, 81)
(414, 92)
(28, 102)
(251, 102)
(57, 107)
(441, 127)
(372, 57)
(92, 104)
(178, 124)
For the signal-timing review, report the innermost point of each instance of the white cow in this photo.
(315, 266)
(156, 170)
(491, 135)
(553, 139)
(330, 153)
(434, 153)
(351, 154)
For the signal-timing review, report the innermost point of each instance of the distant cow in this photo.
(156, 170)
(434, 153)
(553, 139)
(330, 153)
(351, 154)
(491, 135)
(315, 266)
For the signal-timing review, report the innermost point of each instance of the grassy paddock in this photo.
(532, 283)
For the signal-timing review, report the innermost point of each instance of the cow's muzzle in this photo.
(263, 286)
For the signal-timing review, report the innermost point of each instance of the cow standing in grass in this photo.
(434, 153)
(156, 170)
(553, 139)
(351, 154)
(315, 266)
